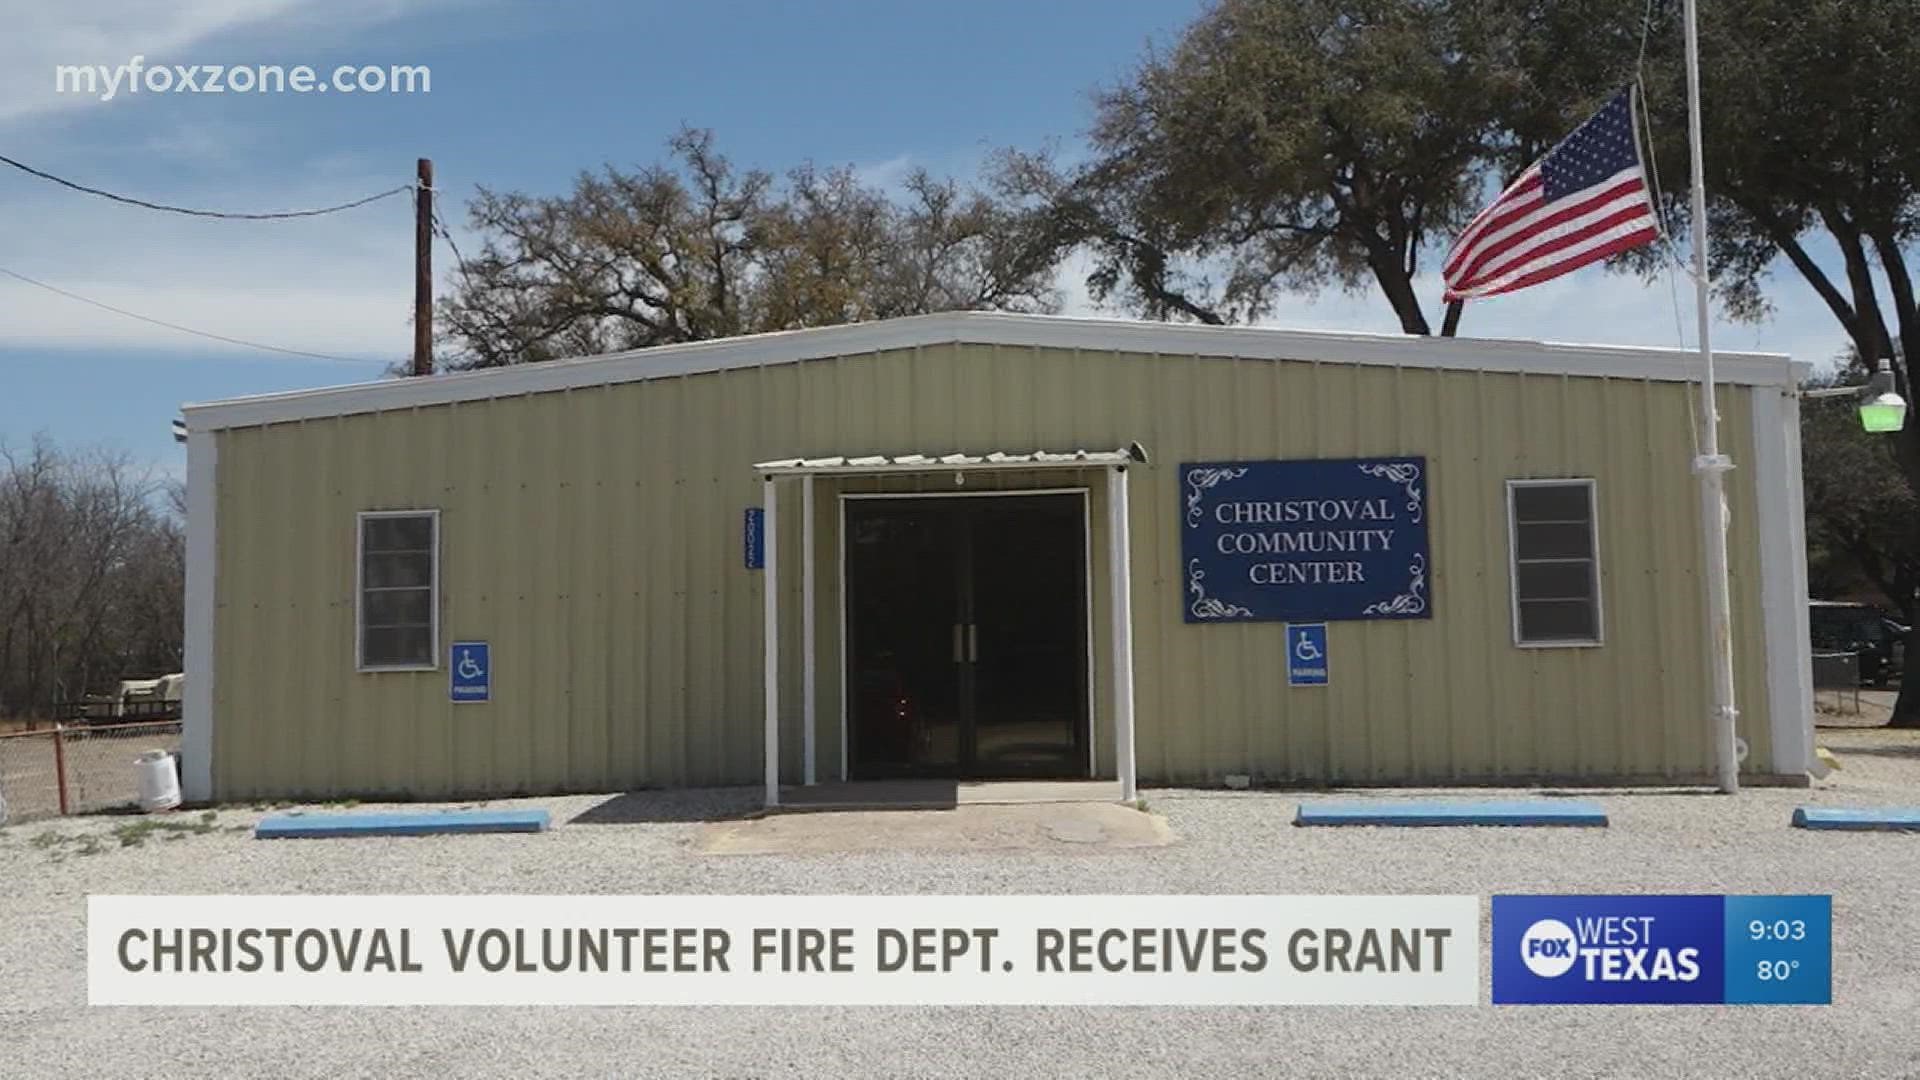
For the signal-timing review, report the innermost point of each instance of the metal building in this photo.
(989, 545)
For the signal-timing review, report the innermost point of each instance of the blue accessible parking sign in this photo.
(1307, 654)
(470, 670)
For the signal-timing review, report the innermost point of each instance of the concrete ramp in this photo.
(1425, 812)
(299, 826)
(1858, 818)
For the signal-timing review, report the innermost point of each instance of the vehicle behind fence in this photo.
(1836, 681)
(106, 709)
(82, 769)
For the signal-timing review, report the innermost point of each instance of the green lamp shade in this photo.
(1886, 412)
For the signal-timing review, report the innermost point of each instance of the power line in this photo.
(183, 329)
(130, 201)
(459, 260)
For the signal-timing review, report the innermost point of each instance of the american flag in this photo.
(1585, 200)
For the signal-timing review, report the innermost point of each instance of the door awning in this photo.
(1118, 570)
(845, 465)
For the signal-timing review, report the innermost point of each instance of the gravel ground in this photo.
(1227, 842)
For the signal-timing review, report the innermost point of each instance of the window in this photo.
(399, 577)
(1556, 562)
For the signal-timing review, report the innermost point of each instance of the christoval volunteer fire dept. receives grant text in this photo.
(782, 950)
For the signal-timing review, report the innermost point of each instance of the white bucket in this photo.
(159, 781)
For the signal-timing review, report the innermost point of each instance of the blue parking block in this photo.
(1578, 812)
(1859, 818)
(404, 823)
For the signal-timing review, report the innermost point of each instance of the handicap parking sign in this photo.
(470, 669)
(1307, 654)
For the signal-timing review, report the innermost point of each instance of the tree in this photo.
(1812, 136)
(1863, 521)
(1281, 145)
(92, 577)
(697, 249)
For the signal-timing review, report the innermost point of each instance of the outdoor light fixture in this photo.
(1881, 408)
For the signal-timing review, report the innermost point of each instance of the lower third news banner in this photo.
(1653, 949)
(782, 950)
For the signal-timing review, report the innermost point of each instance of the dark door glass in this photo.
(903, 600)
(1027, 646)
(967, 636)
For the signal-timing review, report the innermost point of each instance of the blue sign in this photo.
(1779, 950)
(1662, 950)
(1291, 541)
(470, 668)
(753, 538)
(1307, 654)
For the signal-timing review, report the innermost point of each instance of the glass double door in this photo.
(967, 636)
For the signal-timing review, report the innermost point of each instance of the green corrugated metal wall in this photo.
(592, 535)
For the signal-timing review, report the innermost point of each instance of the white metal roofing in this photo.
(993, 328)
(998, 459)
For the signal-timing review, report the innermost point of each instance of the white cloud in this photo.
(1590, 306)
(886, 175)
(42, 36)
(353, 325)
(340, 284)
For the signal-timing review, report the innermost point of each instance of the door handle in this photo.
(973, 643)
(958, 655)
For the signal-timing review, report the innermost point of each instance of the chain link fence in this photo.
(77, 770)
(1836, 682)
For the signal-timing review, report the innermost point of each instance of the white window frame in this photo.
(360, 595)
(1513, 564)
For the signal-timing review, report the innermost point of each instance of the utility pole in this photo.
(423, 271)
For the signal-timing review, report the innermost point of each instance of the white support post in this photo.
(1779, 523)
(1120, 578)
(770, 584)
(808, 736)
(196, 738)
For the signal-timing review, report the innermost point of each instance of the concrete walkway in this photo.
(943, 794)
(1064, 827)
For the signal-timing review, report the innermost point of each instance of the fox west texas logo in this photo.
(1623, 949)
(1614, 949)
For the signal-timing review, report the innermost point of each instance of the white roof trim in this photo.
(993, 328)
(921, 463)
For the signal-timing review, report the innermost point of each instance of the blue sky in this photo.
(523, 97)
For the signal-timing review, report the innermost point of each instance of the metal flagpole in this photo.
(1711, 465)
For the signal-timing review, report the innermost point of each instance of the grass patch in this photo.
(135, 833)
(55, 844)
